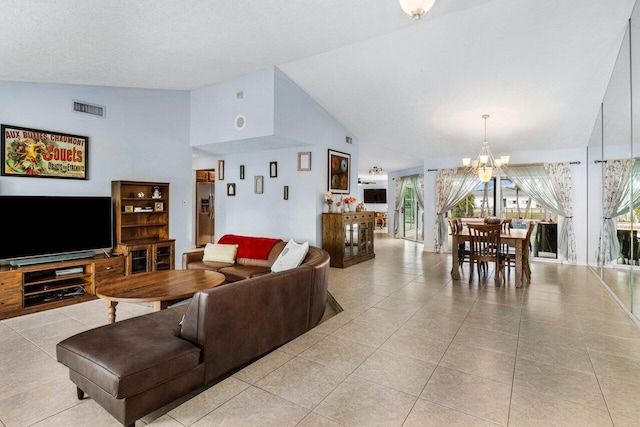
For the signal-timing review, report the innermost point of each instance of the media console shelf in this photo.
(38, 287)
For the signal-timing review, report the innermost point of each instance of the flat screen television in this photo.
(375, 195)
(54, 225)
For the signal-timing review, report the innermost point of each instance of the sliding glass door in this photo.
(412, 216)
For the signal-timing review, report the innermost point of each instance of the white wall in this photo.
(144, 137)
(298, 122)
(214, 108)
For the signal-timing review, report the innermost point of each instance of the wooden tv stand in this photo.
(33, 288)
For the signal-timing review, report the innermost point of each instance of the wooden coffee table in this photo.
(158, 287)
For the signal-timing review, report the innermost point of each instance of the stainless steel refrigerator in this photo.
(205, 218)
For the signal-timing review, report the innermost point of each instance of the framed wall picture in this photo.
(258, 184)
(286, 192)
(241, 171)
(220, 170)
(231, 189)
(273, 170)
(42, 153)
(304, 161)
(339, 170)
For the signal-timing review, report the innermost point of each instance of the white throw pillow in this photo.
(220, 253)
(291, 256)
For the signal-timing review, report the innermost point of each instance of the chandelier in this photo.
(375, 170)
(416, 8)
(485, 164)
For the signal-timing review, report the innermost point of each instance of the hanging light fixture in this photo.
(416, 8)
(485, 164)
(375, 170)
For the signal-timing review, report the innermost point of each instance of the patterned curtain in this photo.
(615, 203)
(401, 189)
(560, 176)
(452, 186)
(417, 182)
(551, 186)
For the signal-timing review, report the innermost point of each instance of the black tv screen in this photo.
(375, 195)
(46, 225)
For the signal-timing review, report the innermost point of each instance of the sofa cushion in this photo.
(249, 246)
(208, 265)
(216, 252)
(241, 272)
(130, 356)
(291, 256)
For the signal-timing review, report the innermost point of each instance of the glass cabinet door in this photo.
(348, 237)
(355, 242)
(163, 257)
(140, 260)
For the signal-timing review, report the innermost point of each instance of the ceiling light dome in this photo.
(416, 8)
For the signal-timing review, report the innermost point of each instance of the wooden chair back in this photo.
(485, 241)
(485, 245)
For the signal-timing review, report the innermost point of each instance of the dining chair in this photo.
(510, 255)
(455, 226)
(508, 252)
(485, 248)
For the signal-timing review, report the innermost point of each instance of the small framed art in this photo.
(220, 170)
(241, 171)
(158, 206)
(304, 161)
(339, 170)
(231, 189)
(258, 184)
(273, 170)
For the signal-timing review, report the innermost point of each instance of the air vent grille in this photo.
(94, 110)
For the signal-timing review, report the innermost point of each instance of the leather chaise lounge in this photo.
(136, 366)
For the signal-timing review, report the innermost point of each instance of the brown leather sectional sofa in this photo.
(243, 268)
(135, 366)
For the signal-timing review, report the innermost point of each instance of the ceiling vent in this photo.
(94, 110)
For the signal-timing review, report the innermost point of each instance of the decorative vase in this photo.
(346, 207)
(325, 208)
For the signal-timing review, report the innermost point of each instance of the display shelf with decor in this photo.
(348, 237)
(141, 225)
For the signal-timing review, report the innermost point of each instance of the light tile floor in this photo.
(411, 348)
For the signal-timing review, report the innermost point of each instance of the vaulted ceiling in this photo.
(408, 90)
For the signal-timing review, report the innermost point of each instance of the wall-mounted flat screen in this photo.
(375, 195)
(47, 225)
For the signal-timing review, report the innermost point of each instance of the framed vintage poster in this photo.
(339, 170)
(42, 153)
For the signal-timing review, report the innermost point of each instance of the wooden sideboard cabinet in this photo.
(143, 257)
(141, 217)
(348, 237)
(106, 269)
(39, 287)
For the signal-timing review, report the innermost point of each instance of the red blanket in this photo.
(250, 247)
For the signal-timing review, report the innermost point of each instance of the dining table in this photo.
(513, 237)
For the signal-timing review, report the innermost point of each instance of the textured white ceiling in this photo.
(409, 90)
